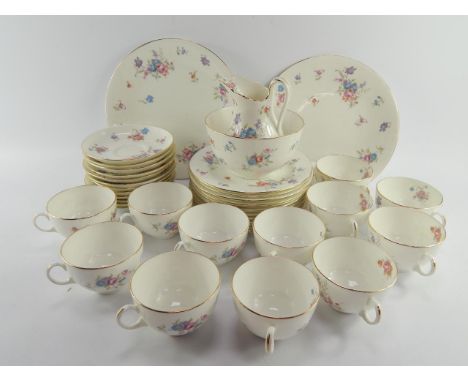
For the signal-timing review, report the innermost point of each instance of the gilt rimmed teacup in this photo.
(77, 207)
(100, 257)
(342, 206)
(351, 273)
(289, 232)
(155, 208)
(174, 292)
(275, 297)
(410, 193)
(217, 231)
(344, 168)
(412, 238)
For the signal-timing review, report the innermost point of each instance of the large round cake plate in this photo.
(347, 109)
(211, 172)
(173, 84)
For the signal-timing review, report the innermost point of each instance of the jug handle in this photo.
(279, 122)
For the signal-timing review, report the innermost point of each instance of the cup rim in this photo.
(317, 167)
(388, 257)
(309, 308)
(138, 250)
(190, 202)
(242, 94)
(114, 201)
(213, 293)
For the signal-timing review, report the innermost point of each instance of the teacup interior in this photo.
(409, 192)
(213, 222)
(102, 244)
(275, 287)
(175, 281)
(354, 264)
(81, 202)
(406, 226)
(160, 198)
(343, 167)
(289, 227)
(339, 197)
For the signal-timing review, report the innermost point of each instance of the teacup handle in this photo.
(51, 229)
(439, 217)
(375, 306)
(278, 123)
(270, 340)
(126, 215)
(431, 270)
(55, 281)
(179, 246)
(355, 228)
(139, 323)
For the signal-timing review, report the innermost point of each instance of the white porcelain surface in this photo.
(347, 109)
(256, 157)
(351, 272)
(217, 231)
(174, 292)
(342, 206)
(342, 167)
(209, 169)
(288, 232)
(100, 257)
(155, 208)
(77, 207)
(275, 297)
(171, 83)
(412, 238)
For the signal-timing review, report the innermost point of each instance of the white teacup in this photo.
(155, 208)
(410, 193)
(289, 232)
(342, 206)
(100, 257)
(77, 207)
(351, 272)
(217, 231)
(174, 292)
(275, 297)
(412, 238)
(342, 167)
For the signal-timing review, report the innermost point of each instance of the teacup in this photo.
(100, 257)
(289, 232)
(342, 206)
(412, 238)
(275, 297)
(410, 193)
(174, 292)
(342, 167)
(77, 207)
(351, 272)
(253, 158)
(217, 231)
(155, 208)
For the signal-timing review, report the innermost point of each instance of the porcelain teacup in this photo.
(351, 272)
(155, 208)
(289, 232)
(77, 207)
(100, 257)
(342, 206)
(174, 292)
(410, 193)
(412, 238)
(275, 297)
(342, 167)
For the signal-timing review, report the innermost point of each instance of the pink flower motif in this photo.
(387, 267)
(163, 69)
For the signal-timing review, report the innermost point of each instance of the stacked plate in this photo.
(211, 181)
(126, 157)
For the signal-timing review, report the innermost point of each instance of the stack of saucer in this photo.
(126, 157)
(212, 181)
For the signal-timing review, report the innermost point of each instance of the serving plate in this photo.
(347, 109)
(173, 84)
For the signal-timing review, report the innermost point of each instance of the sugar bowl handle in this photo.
(55, 281)
(51, 229)
(375, 306)
(270, 340)
(137, 324)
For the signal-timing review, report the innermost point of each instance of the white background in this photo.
(53, 75)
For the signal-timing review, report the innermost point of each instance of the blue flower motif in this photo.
(102, 282)
(205, 61)
(144, 131)
(252, 160)
(249, 132)
(373, 157)
(297, 77)
(384, 126)
(138, 62)
(149, 98)
(350, 70)
(258, 124)
(280, 87)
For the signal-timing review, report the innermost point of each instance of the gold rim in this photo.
(130, 186)
(103, 266)
(218, 286)
(329, 177)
